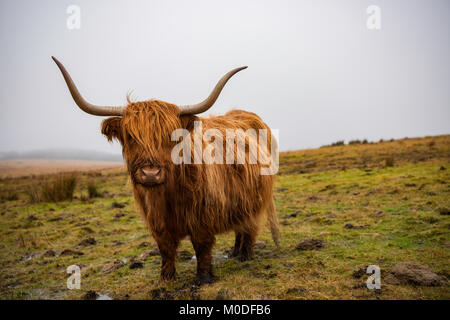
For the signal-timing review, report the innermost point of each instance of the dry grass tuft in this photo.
(93, 190)
(59, 188)
(389, 162)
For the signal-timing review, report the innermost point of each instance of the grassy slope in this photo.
(328, 188)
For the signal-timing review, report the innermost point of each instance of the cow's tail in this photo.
(273, 223)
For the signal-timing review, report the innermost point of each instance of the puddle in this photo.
(30, 256)
(215, 258)
(103, 297)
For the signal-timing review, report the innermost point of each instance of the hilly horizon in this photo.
(62, 154)
(93, 155)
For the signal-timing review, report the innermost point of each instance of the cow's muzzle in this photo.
(149, 176)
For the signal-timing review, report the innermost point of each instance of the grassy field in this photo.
(372, 204)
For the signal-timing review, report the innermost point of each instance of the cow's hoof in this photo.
(203, 278)
(233, 252)
(244, 257)
(166, 277)
(163, 282)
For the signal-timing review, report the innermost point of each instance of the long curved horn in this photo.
(208, 102)
(83, 104)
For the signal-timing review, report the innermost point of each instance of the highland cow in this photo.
(188, 200)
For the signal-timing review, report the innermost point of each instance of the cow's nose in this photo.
(150, 175)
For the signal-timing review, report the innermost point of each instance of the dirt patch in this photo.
(118, 205)
(70, 252)
(113, 266)
(32, 218)
(149, 253)
(310, 244)
(185, 255)
(119, 215)
(357, 274)
(63, 216)
(88, 242)
(49, 253)
(144, 244)
(117, 243)
(415, 274)
(292, 215)
(351, 226)
(136, 264)
(90, 295)
(87, 230)
(328, 187)
(187, 291)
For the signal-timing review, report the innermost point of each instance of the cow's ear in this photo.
(112, 128)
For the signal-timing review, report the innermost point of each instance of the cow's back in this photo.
(228, 195)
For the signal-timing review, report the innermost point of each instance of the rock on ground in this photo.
(413, 273)
(149, 253)
(310, 244)
(259, 245)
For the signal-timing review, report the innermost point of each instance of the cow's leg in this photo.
(247, 243)
(203, 247)
(237, 244)
(168, 251)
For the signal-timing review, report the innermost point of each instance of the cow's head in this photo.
(144, 129)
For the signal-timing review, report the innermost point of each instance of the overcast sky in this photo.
(316, 72)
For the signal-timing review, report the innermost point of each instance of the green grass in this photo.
(399, 206)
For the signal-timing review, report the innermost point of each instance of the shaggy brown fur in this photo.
(195, 200)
